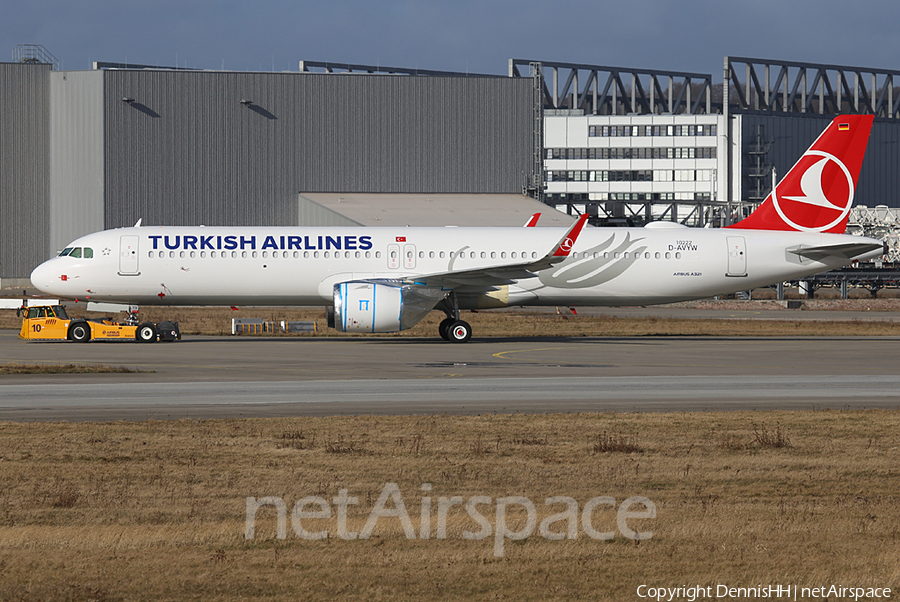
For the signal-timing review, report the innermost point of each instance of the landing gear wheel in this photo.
(146, 333)
(80, 332)
(444, 328)
(459, 332)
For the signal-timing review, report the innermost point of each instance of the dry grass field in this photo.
(522, 323)
(157, 510)
(514, 323)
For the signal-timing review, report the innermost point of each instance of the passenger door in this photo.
(737, 256)
(128, 255)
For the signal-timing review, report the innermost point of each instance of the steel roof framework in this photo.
(620, 91)
(792, 87)
(332, 67)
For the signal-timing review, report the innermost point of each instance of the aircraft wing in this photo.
(504, 273)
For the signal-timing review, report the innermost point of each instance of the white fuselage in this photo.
(300, 265)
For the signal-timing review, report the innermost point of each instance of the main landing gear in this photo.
(455, 331)
(452, 328)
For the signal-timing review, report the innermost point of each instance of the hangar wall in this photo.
(24, 166)
(76, 149)
(222, 148)
(86, 150)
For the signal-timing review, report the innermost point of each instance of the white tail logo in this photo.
(811, 185)
(813, 194)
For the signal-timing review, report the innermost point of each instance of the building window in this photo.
(644, 152)
(606, 131)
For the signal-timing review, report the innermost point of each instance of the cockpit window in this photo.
(87, 252)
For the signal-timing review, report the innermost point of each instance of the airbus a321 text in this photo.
(388, 279)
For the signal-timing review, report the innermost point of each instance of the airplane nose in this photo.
(43, 277)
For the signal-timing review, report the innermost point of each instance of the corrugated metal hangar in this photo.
(82, 151)
(99, 149)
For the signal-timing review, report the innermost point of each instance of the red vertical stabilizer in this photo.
(817, 193)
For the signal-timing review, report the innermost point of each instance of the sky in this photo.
(464, 35)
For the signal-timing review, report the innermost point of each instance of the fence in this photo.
(257, 326)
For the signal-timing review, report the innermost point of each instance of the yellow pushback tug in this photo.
(52, 323)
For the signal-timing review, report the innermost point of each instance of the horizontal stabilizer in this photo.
(843, 251)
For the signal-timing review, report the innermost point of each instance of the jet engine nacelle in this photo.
(363, 306)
